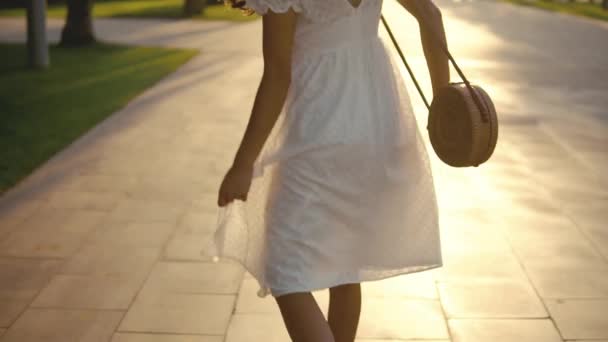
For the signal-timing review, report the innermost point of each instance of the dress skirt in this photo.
(342, 191)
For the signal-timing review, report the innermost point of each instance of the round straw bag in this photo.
(462, 123)
(462, 132)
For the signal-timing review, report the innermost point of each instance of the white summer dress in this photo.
(342, 191)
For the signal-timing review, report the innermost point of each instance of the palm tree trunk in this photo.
(37, 45)
(78, 29)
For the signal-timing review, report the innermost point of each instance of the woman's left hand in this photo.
(236, 184)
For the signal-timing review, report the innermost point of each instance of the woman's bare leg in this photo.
(303, 318)
(344, 311)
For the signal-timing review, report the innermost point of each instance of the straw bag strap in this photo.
(482, 109)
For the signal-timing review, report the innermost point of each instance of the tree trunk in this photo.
(605, 4)
(193, 7)
(78, 29)
(37, 46)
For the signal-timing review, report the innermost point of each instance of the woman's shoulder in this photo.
(261, 7)
(312, 10)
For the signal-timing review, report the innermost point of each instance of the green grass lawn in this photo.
(44, 111)
(577, 8)
(145, 9)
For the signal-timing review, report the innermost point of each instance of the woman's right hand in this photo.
(235, 185)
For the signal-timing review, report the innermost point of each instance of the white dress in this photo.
(342, 190)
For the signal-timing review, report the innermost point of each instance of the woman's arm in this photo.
(430, 22)
(278, 31)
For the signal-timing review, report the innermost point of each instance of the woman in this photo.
(332, 176)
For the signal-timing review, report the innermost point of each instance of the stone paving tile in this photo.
(170, 188)
(78, 199)
(479, 299)
(197, 221)
(109, 292)
(501, 182)
(13, 213)
(474, 266)
(450, 199)
(180, 313)
(575, 253)
(557, 168)
(195, 277)
(465, 218)
(183, 172)
(56, 233)
(132, 233)
(503, 330)
(507, 167)
(534, 216)
(194, 230)
(22, 279)
(102, 183)
(257, 327)
(130, 337)
(115, 166)
(542, 233)
(592, 220)
(577, 190)
(10, 310)
(147, 211)
(205, 202)
(8, 225)
(28, 243)
(41, 216)
(534, 207)
(186, 247)
(519, 232)
(556, 283)
(420, 285)
(103, 259)
(582, 188)
(585, 208)
(49, 325)
(545, 159)
(390, 318)
(580, 319)
(249, 303)
(487, 241)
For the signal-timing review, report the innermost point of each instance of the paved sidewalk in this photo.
(102, 242)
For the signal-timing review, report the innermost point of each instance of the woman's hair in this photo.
(239, 4)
